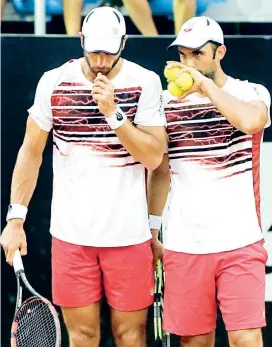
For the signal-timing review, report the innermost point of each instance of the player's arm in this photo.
(249, 117)
(26, 169)
(145, 143)
(158, 183)
(146, 140)
(27, 165)
(24, 181)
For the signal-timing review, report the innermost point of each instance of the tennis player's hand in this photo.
(13, 237)
(199, 79)
(103, 95)
(157, 249)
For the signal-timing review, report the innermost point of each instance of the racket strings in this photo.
(36, 325)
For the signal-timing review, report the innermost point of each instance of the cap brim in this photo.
(105, 45)
(190, 43)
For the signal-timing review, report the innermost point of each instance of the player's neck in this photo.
(220, 78)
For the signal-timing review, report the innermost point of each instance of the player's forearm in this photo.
(142, 146)
(241, 115)
(25, 176)
(158, 183)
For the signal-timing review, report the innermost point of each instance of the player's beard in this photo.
(104, 71)
(210, 73)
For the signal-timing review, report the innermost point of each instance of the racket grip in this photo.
(17, 261)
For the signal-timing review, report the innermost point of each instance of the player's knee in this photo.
(246, 338)
(205, 340)
(83, 335)
(129, 336)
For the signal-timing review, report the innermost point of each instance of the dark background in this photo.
(24, 59)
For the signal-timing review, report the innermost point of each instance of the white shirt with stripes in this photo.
(99, 190)
(214, 204)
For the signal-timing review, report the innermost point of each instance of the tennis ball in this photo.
(174, 89)
(171, 73)
(184, 80)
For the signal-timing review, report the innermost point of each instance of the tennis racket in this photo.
(162, 338)
(35, 322)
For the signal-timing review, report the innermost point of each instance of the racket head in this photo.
(36, 323)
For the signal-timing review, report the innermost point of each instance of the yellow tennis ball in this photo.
(174, 89)
(171, 73)
(184, 80)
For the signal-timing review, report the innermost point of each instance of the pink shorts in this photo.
(196, 284)
(82, 274)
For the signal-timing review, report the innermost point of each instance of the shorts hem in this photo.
(189, 332)
(76, 304)
(245, 326)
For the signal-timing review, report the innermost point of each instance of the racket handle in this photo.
(17, 261)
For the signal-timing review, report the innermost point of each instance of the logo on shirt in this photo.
(119, 116)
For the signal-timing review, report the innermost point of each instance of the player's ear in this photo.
(221, 51)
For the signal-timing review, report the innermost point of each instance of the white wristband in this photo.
(16, 211)
(117, 119)
(155, 222)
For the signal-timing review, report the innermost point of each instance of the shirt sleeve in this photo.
(150, 110)
(257, 92)
(41, 111)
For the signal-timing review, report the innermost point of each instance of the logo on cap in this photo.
(187, 30)
(115, 30)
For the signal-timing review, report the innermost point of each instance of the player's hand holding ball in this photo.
(103, 95)
(182, 80)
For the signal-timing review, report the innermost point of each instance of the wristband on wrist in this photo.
(16, 211)
(155, 222)
(117, 119)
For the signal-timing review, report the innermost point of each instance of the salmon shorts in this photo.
(196, 284)
(81, 275)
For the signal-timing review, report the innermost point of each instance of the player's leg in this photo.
(129, 282)
(129, 328)
(241, 294)
(190, 298)
(83, 325)
(77, 288)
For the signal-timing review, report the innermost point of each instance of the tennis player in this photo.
(214, 243)
(108, 126)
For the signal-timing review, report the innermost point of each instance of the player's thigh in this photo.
(76, 275)
(241, 287)
(128, 276)
(83, 323)
(190, 294)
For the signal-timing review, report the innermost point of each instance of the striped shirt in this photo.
(99, 193)
(215, 194)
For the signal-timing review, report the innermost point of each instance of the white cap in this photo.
(197, 32)
(103, 29)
